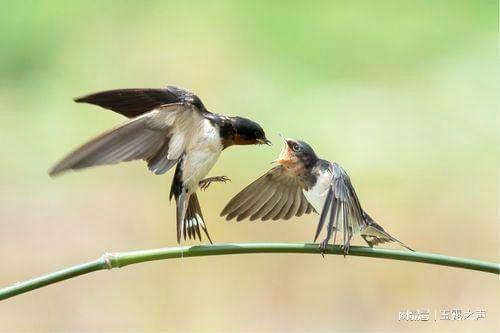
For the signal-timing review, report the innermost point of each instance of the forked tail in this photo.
(374, 234)
(191, 220)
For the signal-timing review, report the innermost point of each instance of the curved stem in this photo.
(121, 259)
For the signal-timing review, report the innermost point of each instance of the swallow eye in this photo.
(296, 148)
(258, 134)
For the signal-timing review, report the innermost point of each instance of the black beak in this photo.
(265, 141)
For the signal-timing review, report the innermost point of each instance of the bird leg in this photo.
(347, 243)
(322, 247)
(205, 183)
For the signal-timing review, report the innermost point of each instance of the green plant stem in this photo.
(121, 259)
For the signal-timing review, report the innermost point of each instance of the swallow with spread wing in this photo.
(167, 127)
(302, 183)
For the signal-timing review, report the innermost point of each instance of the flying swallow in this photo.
(302, 183)
(167, 127)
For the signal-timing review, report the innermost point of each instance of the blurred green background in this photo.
(401, 93)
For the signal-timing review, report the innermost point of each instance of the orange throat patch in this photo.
(289, 160)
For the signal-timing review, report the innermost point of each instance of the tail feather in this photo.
(374, 234)
(196, 216)
(181, 213)
(190, 222)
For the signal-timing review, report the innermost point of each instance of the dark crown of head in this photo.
(244, 124)
(304, 151)
(306, 148)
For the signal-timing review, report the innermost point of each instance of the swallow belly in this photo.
(316, 195)
(202, 154)
(316, 199)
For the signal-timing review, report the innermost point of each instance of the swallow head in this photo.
(296, 153)
(248, 132)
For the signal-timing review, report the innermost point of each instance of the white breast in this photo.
(317, 194)
(204, 149)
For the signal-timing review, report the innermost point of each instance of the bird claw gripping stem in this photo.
(322, 247)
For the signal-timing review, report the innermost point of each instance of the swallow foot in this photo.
(205, 183)
(346, 248)
(322, 247)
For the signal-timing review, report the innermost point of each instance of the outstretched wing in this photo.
(275, 195)
(345, 210)
(133, 102)
(347, 215)
(159, 137)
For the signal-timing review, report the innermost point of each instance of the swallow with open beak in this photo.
(167, 127)
(302, 183)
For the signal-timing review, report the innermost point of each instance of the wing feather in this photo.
(347, 215)
(145, 137)
(268, 206)
(276, 194)
(295, 204)
(286, 206)
(260, 200)
(242, 198)
(279, 205)
(253, 198)
(304, 204)
(132, 102)
(346, 210)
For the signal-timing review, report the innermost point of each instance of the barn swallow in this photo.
(302, 183)
(167, 127)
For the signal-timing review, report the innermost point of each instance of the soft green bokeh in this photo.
(401, 93)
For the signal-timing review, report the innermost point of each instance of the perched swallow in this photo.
(167, 127)
(301, 183)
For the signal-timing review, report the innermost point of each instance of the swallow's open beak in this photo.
(279, 161)
(265, 141)
(285, 154)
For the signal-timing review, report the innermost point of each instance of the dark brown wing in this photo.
(145, 137)
(136, 101)
(275, 195)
